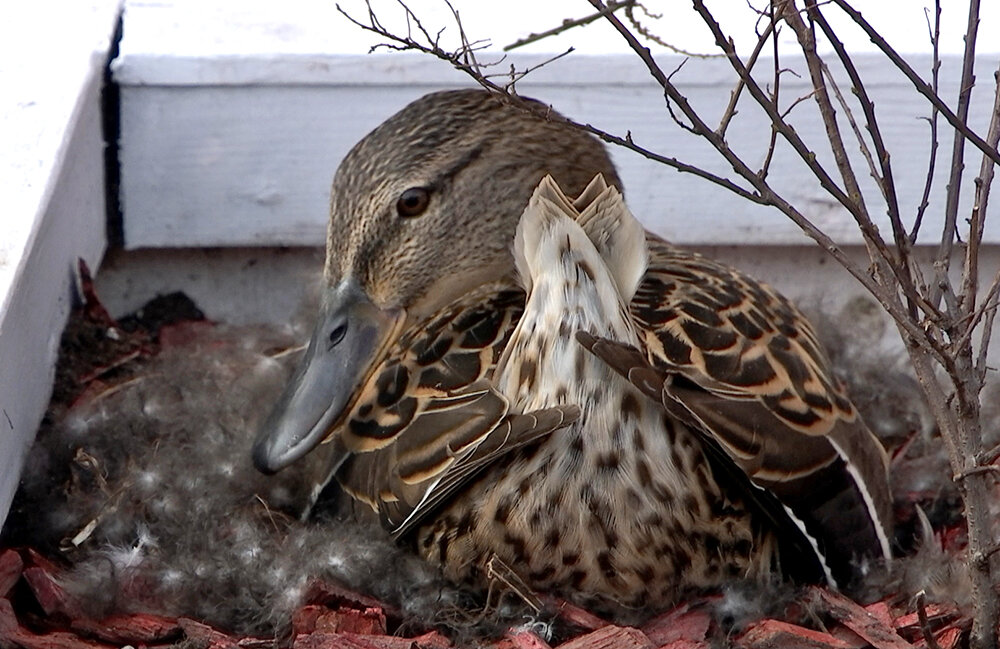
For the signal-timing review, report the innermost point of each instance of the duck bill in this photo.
(350, 338)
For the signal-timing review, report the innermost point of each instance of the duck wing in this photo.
(739, 363)
(428, 420)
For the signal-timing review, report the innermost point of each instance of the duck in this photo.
(509, 370)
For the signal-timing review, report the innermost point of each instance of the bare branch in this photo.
(772, 142)
(670, 108)
(973, 319)
(918, 82)
(925, 626)
(935, 35)
(807, 42)
(989, 308)
(886, 297)
(981, 197)
(433, 49)
(887, 264)
(885, 180)
(949, 232)
(650, 36)
(734, 96)
(568, 25)
(858, 135)
(516, 75)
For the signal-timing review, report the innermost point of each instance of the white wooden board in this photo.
(241, 151)
(52, 181)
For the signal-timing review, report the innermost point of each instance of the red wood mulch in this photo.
(35, 613)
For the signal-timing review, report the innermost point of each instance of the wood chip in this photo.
(949, 638)
(13, 634)
(574, 615)
(304, 618)
(50, 596)
(857, 619)
(334, 595)
(680, 624)
(11, 566)
(370, 621)
(610, 637)
(521, 640)
(359, 641)
(687, 644)
(881, 612)
(135, 629)
(775, 634)
(205, 636)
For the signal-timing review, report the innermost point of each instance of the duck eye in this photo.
(413, 202)
(337, 335)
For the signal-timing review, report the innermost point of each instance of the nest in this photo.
(140, 521)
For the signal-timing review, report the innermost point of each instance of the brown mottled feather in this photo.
(737, 361)
(427, 421)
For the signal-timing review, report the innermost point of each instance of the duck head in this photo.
(422, 212)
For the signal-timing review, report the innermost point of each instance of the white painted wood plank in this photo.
(199, 30)
(52, 181)
(247, 160)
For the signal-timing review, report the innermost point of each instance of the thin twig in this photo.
(925, 626)
(650, 36)
(567, 25)
(670, 108)
(949, 232)
(772, 142)
(516, 75)
(990, 309)
(855, 199)
(887, 264)
(986, 312)
(899, 264)
(858, 135)
(982, 469)
(935, 36)
(918, 83)
(886, 182)
(885, 297)
(734, 96)
(432, 48)
(980, 204)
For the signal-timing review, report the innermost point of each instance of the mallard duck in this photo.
(505, 374)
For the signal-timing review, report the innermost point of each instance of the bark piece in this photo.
(775, 634)
(521, 640)
(12, 634)
(140, 628)
(11, 566)
(320, 640)
(304, 618)
(370, 621)
(862, 622)
(679, 624)
(610, 637)
(206, 636)
(572, 614)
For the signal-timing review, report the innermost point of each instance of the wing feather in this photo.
(428, 420)
(738, 362)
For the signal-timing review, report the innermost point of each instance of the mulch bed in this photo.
(35, 613)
